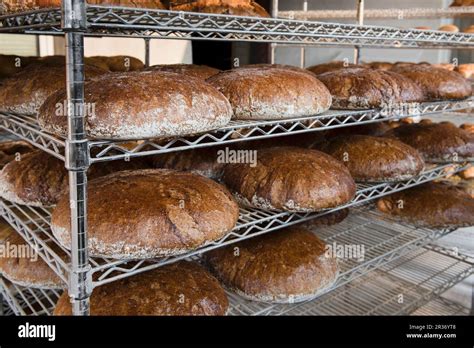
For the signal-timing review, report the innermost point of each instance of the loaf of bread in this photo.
(466, 70)
(290, 179)
(26, 91)
(463, 3)
(329, 219)
(12, 64)
(361, 88)
(447, 66)
(436, 142)
(436, 83)
(331, 66)
(39, 179)
(469, 29)
(11, 6)
(278, 66)
(231, 7)
(379, 65)
(272, 93)
(181, 288)
(21, 265)
(449, 27)
(468, 127)
(375, 159)
(435, 205)
(143, 104)
(199, 71)
(150, 213)
(285, 266)
(13, 150)
(205, 161)
(116, 63)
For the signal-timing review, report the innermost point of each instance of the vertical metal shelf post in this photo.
(360, 21)
(74, 24)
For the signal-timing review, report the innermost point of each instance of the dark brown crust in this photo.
(231, 7)
(118, 63)
(199, 161)
(331, 66)
(291, 179)
(436, 83)
(182, 288)
(143, 104)
(436, 142)
(329, 219)
(361, 88)
(11, 6)
(26, 91)
(40, 179)
(375, 159)
(150, 213)
(292, 93)
(277, 66)
(28, 269)
(379, 65)
(9, 150)
(198, 71)
(279, 266)
(432, 205)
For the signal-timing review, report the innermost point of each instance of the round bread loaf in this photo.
(361, 88)
(277, 66)
(436, 83)
(329, 219)
(40, 179)
(285, 266)
(10, 6)
(290, 179)
(331, 66)
(469, 29)
(198, 71)
(435, 205)
(375, 159)
(449, 27)
(150, 213)
(436, 142)
(272, 93)
(20, 264)
(143, 104)
(26, 91)
(204, 161)
(379, 65)
(231, 7)
(119, 63)
(12, 150)
(466, 70)
(468, 127)
(181, 288)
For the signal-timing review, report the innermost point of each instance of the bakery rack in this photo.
(76, 19)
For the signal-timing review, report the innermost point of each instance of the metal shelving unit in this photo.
(75, 20)
(397, 288)
(33, 223)
(26, 127)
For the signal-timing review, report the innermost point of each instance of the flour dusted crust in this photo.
(361, 88)
(199, 71)
(289, 265)
(375, 159)
(28, 269)
(272, 93)
(181, 288)
(150, 213)
(10, 6)
(330, 66)
(231, 7)
(25, 91)
(434, 205)
(290, 179)
(436, 83)
(149, 104)
(40, 179)
(436, 142)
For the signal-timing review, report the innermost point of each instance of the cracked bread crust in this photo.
(150, 213)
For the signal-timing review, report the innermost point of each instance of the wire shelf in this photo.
(133, 22)
(388, 13)
(28, 301)
(33, 224)
(442, 306)
(26, 128)
(397, 288)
